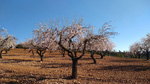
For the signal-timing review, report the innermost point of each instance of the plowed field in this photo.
(19, 66)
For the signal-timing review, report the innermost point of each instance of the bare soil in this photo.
(20, 67)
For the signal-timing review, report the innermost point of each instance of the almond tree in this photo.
(136, 49)
(73, 35)
(44, 39)
(76, 36)
(101, 47)
(6, 41)
(108, 33)
(72, 38)
(146, 45)
(29, 44)
(107, 47)
(40, 40)
(140, 47)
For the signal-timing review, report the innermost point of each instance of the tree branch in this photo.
(69, 52)
(84, 48)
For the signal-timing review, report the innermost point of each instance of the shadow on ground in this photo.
(126, 61)
(56, 65)
(14, 61)
(126, 68)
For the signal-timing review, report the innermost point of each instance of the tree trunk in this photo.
(41, 53)
(41, 58)
(139, 56)
(74, 68)
(147, 55)
(50, 51)
(6, 51)
(32, 52)
(102, 56)
(92, 56)
(1, 54)
(103, 53)
(24, 49)
(63, 54)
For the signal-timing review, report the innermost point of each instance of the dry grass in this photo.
(19, 66)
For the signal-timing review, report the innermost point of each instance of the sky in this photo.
(131, 17)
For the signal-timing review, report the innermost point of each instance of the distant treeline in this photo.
(125, 54)
(121, 54)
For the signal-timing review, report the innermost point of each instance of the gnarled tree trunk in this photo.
(147, 56)
(139, 56)
(30, 51)
(92, 56)
(102, 56)
(74, 68)
(73, 55)
(6, 51)
(41, 58)
(103, 53)
(1, 54)
(41, 53)
(62, 51)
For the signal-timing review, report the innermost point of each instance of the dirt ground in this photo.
(20, 67)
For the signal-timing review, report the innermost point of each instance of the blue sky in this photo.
(131, 17)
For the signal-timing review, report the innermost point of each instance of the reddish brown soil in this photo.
(21, 67)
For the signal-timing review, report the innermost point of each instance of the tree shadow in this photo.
(107, 80)
(14, 61)
(11, 82)
(126, 68)
(91, 63)
(90, 58)
(49, 56)
(86, 59)
(56, 54)
(127, 61)
(10, 55)
(25, 78)
(56, 65)
(68, 78)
